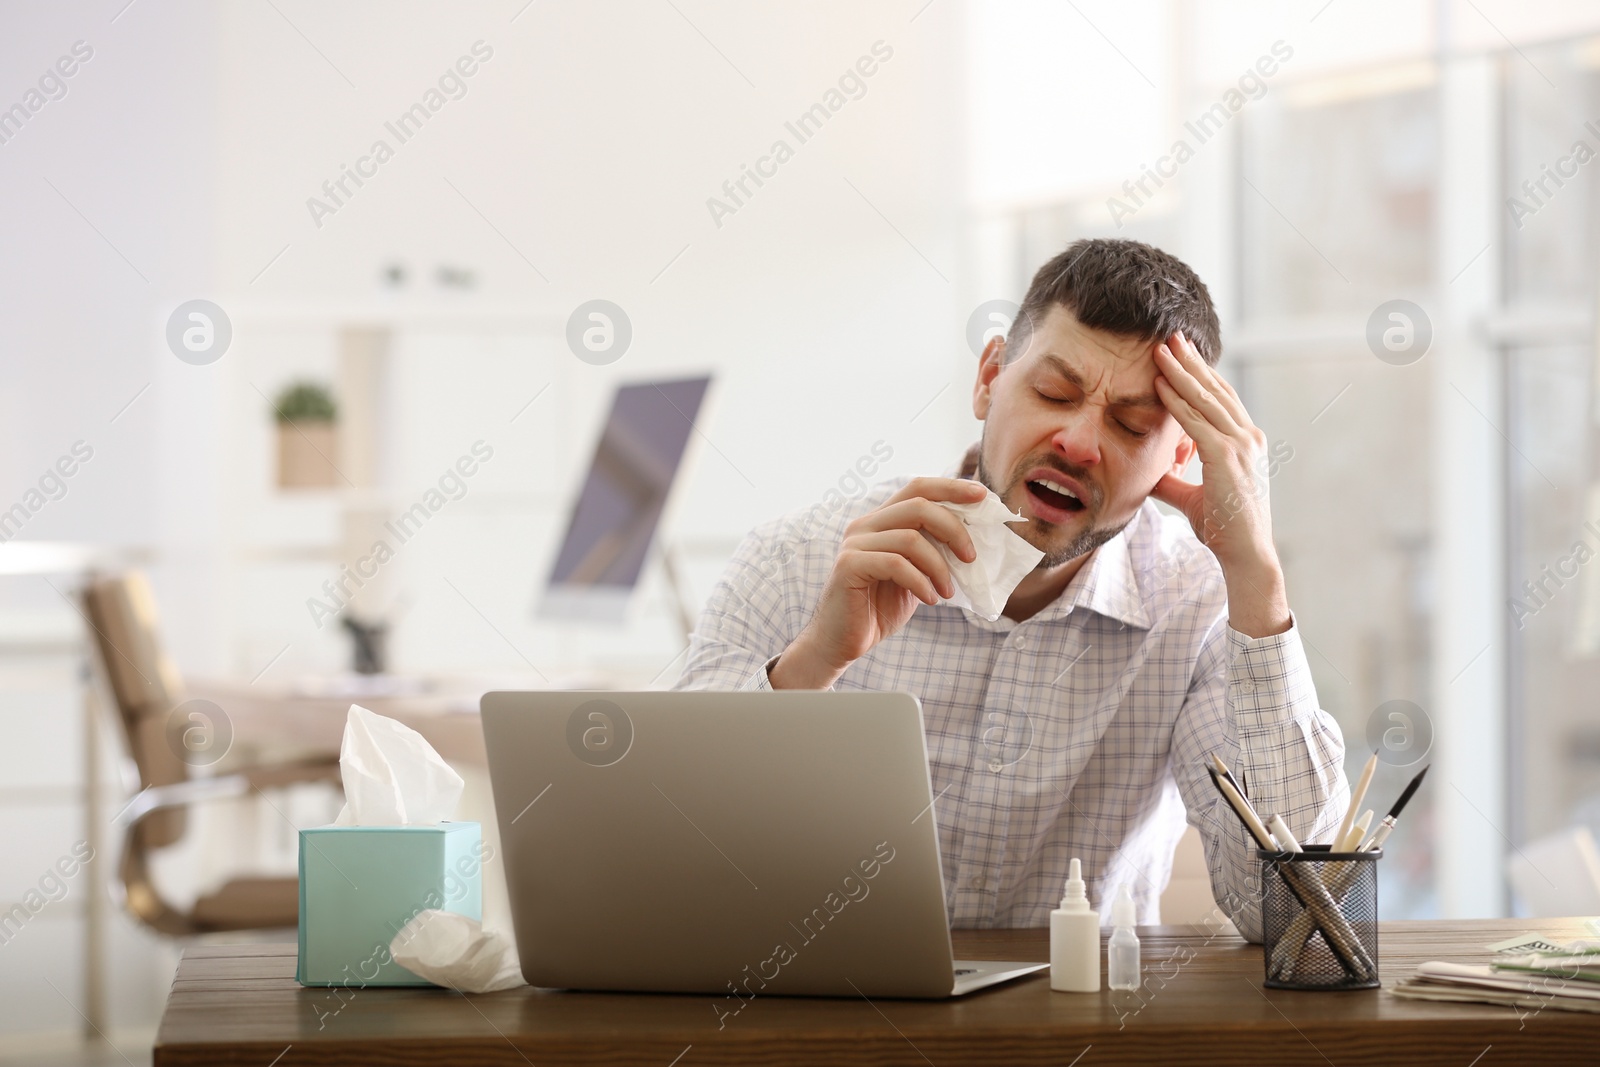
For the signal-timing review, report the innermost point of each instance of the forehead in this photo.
(1099, 358)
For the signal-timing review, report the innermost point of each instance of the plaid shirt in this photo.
(1082, 731)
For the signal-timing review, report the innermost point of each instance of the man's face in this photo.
(1074, 435)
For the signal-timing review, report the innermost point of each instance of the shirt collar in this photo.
(1107, 585)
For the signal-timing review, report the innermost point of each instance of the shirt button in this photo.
(995, 765)
(1019, 641)
(978, 881)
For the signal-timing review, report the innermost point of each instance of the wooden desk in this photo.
(240, 1004)
(275, 718)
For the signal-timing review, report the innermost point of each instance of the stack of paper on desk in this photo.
(1566, 977)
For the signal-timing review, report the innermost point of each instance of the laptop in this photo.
(727, 843)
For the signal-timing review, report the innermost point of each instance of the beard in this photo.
(1081, 544)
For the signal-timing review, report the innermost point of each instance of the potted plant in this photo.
(308, 442)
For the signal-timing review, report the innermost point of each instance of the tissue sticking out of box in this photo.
(1004, 558)
(457, 952)
(392, 776)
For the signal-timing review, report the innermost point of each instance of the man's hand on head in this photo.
(886, 565)
(1229, 509)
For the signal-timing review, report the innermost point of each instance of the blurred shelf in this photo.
(1531, 324)
(389, 498)
(464, 315)
(66, 557)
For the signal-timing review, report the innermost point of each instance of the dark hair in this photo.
(1122, 287)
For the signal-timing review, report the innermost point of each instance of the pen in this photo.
(1386, 827)
(1357, 795)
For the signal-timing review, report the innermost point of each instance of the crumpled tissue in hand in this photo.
(456, 952)
(1004, 558)
(392, 776)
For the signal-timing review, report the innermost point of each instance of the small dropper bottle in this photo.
(1075, 939)
(1122, 952)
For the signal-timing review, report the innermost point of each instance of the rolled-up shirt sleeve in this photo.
(748, 619)
(1252, 702)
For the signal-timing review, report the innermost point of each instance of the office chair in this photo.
(145, 688)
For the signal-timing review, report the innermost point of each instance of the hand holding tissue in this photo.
(1003, 557)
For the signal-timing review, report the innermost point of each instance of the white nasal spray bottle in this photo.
(1075, 939)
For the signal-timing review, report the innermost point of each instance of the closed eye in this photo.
(1052, 398)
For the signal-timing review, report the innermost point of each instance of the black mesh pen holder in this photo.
(1319, 916)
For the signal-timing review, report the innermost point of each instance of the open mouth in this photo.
(1054, 495)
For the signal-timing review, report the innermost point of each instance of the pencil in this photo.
(1222, 769)
(1357, 795)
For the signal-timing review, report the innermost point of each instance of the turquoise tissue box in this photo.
(359, 885)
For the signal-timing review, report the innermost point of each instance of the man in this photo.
(1080, 722)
